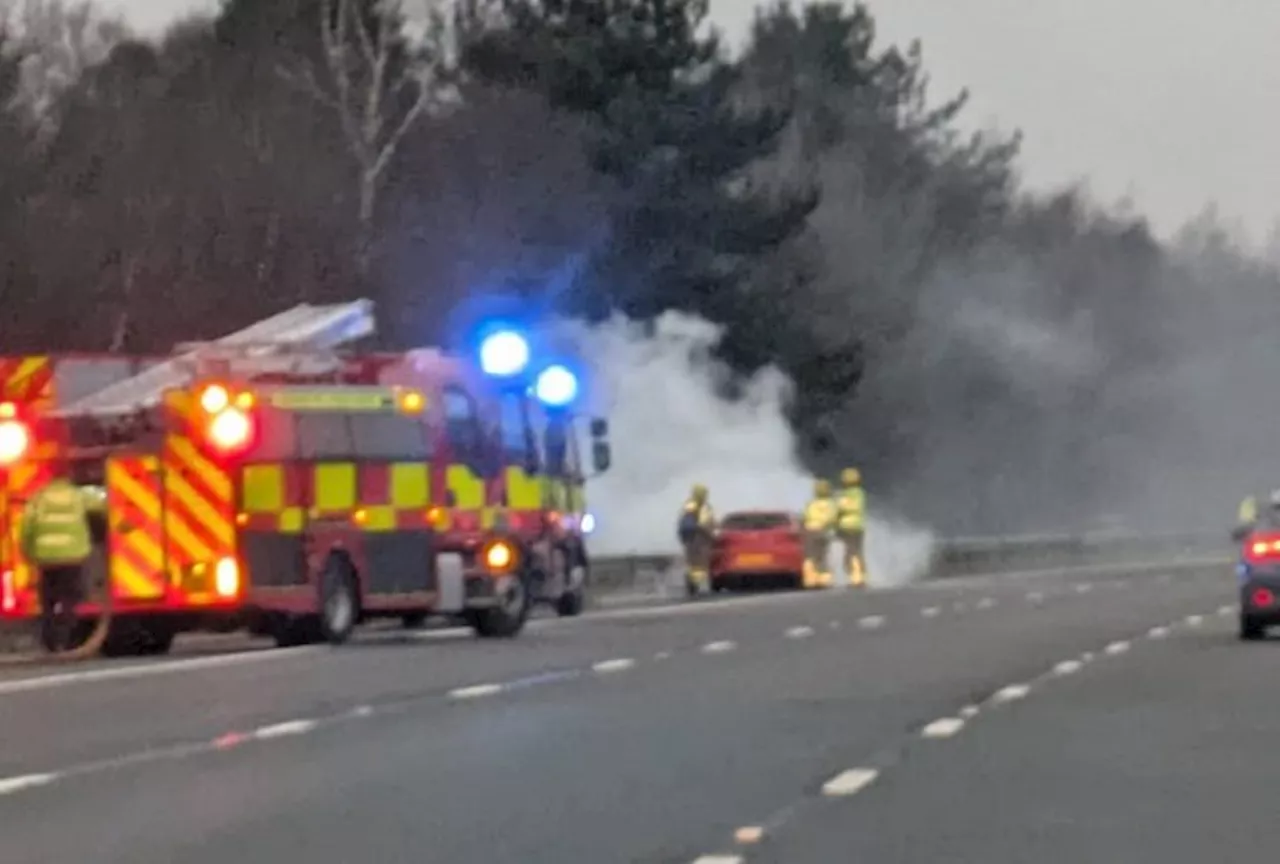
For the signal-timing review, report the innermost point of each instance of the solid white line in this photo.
(475, 691)
(143, 670)
(944, 728)
(618, 665)
(930, 611)
(1157, 632)
(799, 632)
(279, 730)
(871, 622)
(1067, 667)
(718, 647)
(1116, 648)
(850, 782)
(1011, 693)
(10, 785)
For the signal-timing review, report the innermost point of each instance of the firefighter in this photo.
(819, 520)
(850, 515)
(57, 540)
(696, 530)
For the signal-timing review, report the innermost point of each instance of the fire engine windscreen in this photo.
(504, 353)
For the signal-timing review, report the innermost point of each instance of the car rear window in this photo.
(755, 521)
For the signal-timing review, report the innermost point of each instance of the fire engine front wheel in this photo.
(508, 617)
(339, 601)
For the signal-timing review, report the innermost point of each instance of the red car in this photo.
(758, 548)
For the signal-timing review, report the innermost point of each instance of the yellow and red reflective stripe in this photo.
(135, 543)
(26, 379)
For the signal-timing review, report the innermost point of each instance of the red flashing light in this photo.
(1263, 597)
(15, 440)
(230, 430)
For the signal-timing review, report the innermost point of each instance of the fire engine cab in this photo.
(272, 480)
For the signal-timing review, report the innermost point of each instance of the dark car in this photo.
(1259, 572)
(758, 549)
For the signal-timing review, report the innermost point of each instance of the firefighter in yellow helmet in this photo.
(851, 506)
(696, 529)
(819, 520)
(57, 540)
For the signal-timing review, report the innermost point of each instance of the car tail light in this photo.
(1262, 549)
(1263, 597)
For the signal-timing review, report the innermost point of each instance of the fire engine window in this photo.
(518, 446)
(394, 437)
(323, 435)
(557, 446)
(462, 426)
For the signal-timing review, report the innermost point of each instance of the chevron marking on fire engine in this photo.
(198, 513)
(137, 555)
(26, 379)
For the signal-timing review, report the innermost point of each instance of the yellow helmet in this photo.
(699, 492)
(850, 477)
(821, 488)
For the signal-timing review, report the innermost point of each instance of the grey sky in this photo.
(1158, 100)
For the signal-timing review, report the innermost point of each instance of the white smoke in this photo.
(669, 429)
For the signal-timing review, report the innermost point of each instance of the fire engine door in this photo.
(135, 515)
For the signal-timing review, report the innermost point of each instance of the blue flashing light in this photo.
(556, 387)
(504, 354)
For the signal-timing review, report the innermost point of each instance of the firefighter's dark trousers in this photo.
(61, 590)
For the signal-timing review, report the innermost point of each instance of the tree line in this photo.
(972, 346)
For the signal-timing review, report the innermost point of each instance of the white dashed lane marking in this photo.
(10, 785)
(944, 728)
(719, 859)
(621, 664)
(280, 730)
(849, 782)
(475, 691)
(1011, 693)
(1035, 597)
(1224, 611)
(986, 603)
(1116, 648)
(969, 711)
(799, 632)
(1067, 667)
(718, 647)
(1084, 588)
(871, 622)
(930, 611)
(748, 834)
(1157, 632)
(1194, 620)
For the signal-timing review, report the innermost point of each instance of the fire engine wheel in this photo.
(339, 601)
(572, 576)
(508, 618)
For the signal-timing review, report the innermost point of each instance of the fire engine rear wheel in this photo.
(339, 601)
(506, 619)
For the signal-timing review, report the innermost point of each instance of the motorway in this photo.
(1086, 717)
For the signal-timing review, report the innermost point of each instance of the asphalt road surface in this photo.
(1070, 718)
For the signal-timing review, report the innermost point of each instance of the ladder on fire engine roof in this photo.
(283, 343)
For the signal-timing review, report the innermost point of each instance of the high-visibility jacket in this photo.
(819, 515)
(55, 524)
(695, 518)
(1248, 512)
(851, 507)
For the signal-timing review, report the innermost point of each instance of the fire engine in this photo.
(278, 481)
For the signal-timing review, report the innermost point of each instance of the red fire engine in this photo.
(271, 481)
